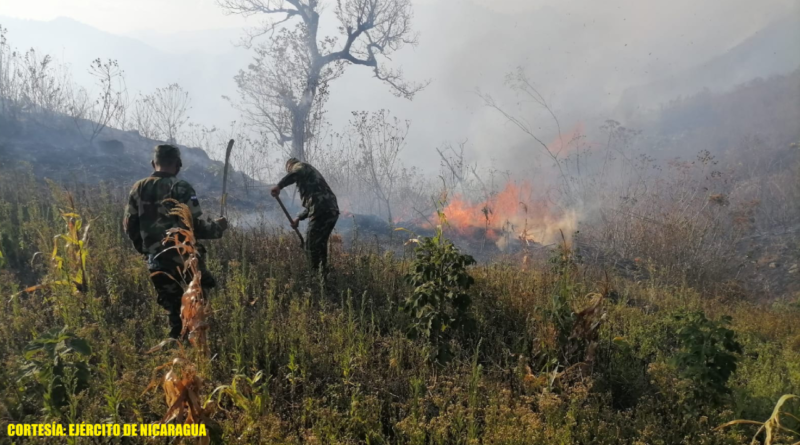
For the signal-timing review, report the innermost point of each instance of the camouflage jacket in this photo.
(317, 196)
(147, 216)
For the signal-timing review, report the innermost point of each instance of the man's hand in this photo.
(276, 191)
(222, 223)
(295, 223)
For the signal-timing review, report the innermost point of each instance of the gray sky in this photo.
(582, 54)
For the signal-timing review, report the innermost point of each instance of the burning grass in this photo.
(514, 213)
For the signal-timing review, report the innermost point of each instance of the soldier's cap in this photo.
(166, 154)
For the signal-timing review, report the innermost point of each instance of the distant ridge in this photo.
(770, 51)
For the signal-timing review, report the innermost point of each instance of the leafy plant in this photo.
(70, 258)
(70, 252)
(439, 302)
(564, 259)
(252, 398)
(707, 352)
(50, 358)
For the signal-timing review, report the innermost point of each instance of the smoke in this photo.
(583, 57)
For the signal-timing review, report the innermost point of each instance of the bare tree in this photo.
(381, 139)
(142, 117)
(121, 120)
(454, 168)
(9, 77)
(169, 107)
(31, 83)
(42, 92)
(108, 105)
(280, 88)
(519, 82)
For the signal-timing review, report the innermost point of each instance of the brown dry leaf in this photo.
(587, 325)
(193, 309)
(182, 387)
(180, 383)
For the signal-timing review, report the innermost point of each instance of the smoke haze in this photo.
(583, 57)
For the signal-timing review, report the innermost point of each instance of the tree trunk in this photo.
(389, 213)
(299, 135)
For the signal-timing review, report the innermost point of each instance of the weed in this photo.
(56, 363)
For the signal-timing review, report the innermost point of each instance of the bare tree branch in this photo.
(280, 88)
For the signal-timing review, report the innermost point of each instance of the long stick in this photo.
(286, 212)
(225, 178)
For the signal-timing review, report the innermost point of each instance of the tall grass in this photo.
(293, 362)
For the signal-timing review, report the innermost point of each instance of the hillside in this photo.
(768, 52)
(52, 148)
(146, 67)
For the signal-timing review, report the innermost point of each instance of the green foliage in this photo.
(252, 397)
(439, 301)
(70, 252)
(707, 353)
(55, 362)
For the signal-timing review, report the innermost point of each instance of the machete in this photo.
(224, 199)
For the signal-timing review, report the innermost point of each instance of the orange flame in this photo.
(514, 213)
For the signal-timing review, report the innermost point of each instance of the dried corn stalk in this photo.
(772, 428)
(193, 306)
(193, 309)
(182, 386)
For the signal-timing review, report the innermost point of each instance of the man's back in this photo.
(147, 215)
(147, 201)
(315, 192)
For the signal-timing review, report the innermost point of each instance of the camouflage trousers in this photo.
(169, 292)
(317, 234)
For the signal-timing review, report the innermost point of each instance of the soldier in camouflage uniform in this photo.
(147, 219)
(320, 207)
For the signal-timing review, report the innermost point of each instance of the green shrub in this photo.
(439, 302)
(707, 353)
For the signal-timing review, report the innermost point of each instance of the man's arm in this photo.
(289, 179)
(131, 222)
(203, 228)
(302, 215)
